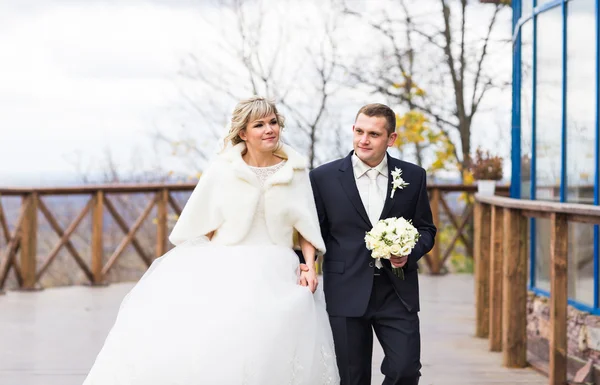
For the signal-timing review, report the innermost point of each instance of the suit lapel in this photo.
(389, 202)
(349, 186)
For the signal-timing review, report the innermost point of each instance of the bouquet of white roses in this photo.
(392, 236)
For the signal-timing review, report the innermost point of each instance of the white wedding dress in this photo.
(207, 313)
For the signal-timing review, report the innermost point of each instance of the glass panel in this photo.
(526, 107)
(541, 2)
(581, 262)
(526, 7)
(581, 101)
(549, 101)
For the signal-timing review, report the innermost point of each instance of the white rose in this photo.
(380, 227)
(395, 238)
(406, 250)
(396, 249)
(370, 241)
(386, 250)
(375, 244)
(377, 253)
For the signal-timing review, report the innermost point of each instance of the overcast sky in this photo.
(80, 77)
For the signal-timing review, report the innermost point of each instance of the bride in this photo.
(225, 306)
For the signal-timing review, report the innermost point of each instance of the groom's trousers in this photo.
(397, 331)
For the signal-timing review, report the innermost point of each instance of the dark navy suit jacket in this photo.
(348, 268)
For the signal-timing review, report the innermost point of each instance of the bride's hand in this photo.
(308, 277)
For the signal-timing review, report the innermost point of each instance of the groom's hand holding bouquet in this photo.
(393, 239)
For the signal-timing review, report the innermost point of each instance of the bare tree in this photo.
(437, 63)
(273, 59)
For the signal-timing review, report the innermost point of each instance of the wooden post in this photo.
(496, 257)
(514, 290)
(558, 299)
(436, 263)
(162, 225)
(29, 242)
(482, 269)
(97, 238)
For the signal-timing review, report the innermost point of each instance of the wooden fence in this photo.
(20, 251)
(501, 260)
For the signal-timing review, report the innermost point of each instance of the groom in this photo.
(362, 294)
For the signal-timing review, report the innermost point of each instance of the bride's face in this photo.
(262, 134)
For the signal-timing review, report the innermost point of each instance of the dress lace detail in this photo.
(258, 234)
(264, 173)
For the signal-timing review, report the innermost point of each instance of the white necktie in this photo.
(375, 204)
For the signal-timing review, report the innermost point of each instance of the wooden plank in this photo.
(468, 210)
(120, 188)
(514, 290)
(161, 224)
(471, 188)
(559, 238)
(174, 205)
(436, 265)
(129, 238)
(97, 238)
(482, 269)
(3, 223)
(573, 210)
(8, 260)
(535, 214)
(459, 231)
(589, 219)
(64, 239)
(13, 246)
(29, 241)
(125, 228)
(496, 258)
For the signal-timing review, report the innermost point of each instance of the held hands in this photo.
(308, 277)
(399, 261)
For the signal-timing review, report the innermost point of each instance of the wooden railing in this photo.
(21, 252)
(501, 257)
(442, 212)
(23, 237)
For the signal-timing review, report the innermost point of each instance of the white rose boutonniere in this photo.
(397, 181)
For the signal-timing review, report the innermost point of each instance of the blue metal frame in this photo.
(533, 192)
(572, 302)
(515, 185)
(563, 149)
(536, 10)
(597, 158)
(518, 21)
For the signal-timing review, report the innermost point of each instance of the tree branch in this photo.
(476, 100)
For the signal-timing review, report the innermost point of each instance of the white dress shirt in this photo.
(360, 169)
(372, 195)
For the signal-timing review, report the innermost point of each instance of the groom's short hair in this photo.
(380, 110)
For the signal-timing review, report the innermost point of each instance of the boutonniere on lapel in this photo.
(397, 181)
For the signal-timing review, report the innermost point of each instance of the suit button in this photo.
(371, 264)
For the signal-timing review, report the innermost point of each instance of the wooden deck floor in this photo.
(52, 337)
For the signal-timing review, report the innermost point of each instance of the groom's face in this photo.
(371, 138)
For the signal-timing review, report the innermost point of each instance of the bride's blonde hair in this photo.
(247, 111)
